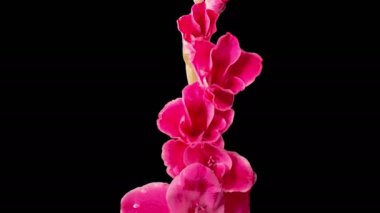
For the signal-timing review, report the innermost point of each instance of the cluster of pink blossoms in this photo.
(206, 177)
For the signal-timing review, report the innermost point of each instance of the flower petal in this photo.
(227, 117)
(195, 189)
(188, 27)
(219, 143)
(199, 13)
(199, 24)
(146, 199)
(213, 17)
(221, 122)
(172, 154)
(225, 53)
(236, 202)
(199, 111)
(170, 117)
(216, 5)
(201, 58)
(234, 84)
(241, 177)
(246, 68)
(222, 98)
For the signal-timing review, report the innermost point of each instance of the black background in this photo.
(81, 87)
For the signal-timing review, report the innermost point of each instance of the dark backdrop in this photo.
(81, 87)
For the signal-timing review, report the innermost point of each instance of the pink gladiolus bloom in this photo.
(215, 158)
(177, 155)
(232, 170)
(225, 68)
(193, 118)
(146, 199)
(200, 24)
(196, 189)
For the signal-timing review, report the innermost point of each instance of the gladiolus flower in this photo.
(232, 170)
(193, 118)
(195, 189)
(200, 24)
(225, 68)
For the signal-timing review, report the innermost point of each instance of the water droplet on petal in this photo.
(136, 205)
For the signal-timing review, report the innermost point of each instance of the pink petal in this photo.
(199, 111)
(221, 122)
(170, 117)
(215, 158)
(202, 58)
(227, 117)
(172, 154)
(216, 5)
(213, 16)
(199, 13)
(219, 143)
(195, 189)
(199, 24)
(222, 98)
(234, 84)
(212, 136)
(247, 68)
(241, 177)
(146, 199)
(188, 27)
(225, 53)
(236, 202)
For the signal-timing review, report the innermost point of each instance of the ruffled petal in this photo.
(172, 155)
(201, 59)
(199, 24)
(234, 84)
(195, 189)
(236, 202)
(222, 98)
(241, 177)
(227, 117)
(221, 122)
(219, 143)
(199, 13)
(188, 26)
(170, 117)
(246, 68)
(225, 53)
(199, 111)
(213, 17)
(146, 199)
